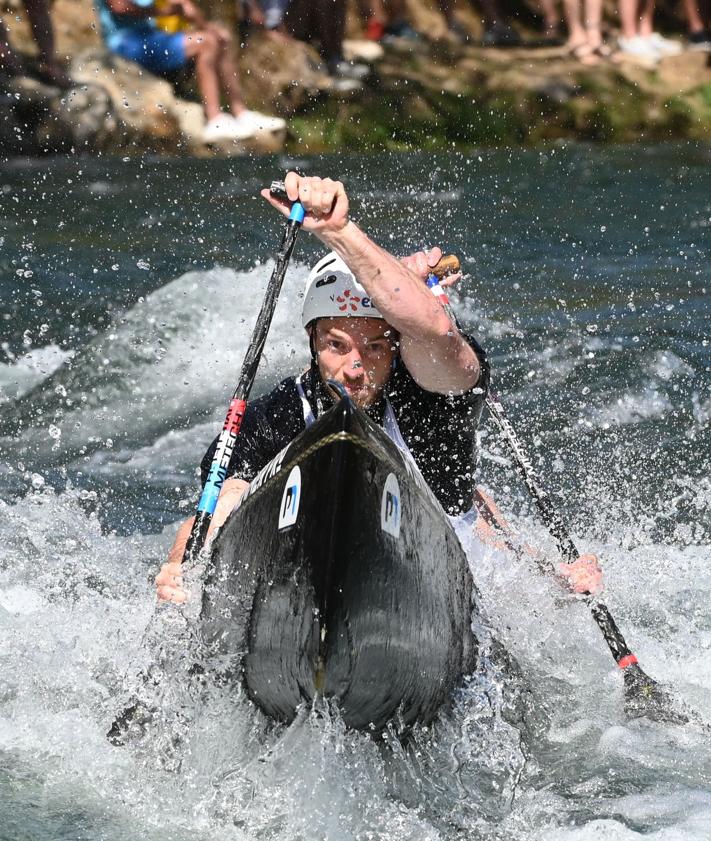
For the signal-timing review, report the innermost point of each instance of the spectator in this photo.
(497, 33)
(699, 28)
(585, 37)
(49, 69)
(324, 22)
(551, 22)
(130, 31)
(638, 39)
(387, 20)
(268, 13)
(9, 64)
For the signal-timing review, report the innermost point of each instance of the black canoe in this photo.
(339, 575)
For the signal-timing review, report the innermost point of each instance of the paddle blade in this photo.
(644, 697)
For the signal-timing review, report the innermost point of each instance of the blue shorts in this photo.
(157, 51)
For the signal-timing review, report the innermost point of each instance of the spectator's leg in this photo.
(447, 9)
(492, 15)
(398, 16)
(8, 61)
(646, 18)
(551, 21)
(693, 16)
(203, 46)
(331, 28)
(629, 18)
(593, 23)
(319, 20)
(298, 20)
(227, 70)
(573, 20)
(373, 13)
(43, 33)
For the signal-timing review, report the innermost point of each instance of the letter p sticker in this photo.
(290, 499)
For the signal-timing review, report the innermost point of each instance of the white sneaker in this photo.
(226, 127)
(339, 85)
(664, 46)
(261, 122)
(350, 70)
(640, 48)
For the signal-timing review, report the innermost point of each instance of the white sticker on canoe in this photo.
(390, 507)
(290, 499)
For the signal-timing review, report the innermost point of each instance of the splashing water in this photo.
(105, 414)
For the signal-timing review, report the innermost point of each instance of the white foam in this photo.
(170, 357)
(23, 373)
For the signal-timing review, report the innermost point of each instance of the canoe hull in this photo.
(340, 575)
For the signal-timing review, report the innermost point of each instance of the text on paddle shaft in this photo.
(223, 454)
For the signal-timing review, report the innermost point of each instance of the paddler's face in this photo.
(357, 352)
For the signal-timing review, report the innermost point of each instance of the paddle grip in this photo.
(447, 265)
(278, 190)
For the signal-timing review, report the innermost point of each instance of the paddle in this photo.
(643, 695)
(233, 422)
(238, 404)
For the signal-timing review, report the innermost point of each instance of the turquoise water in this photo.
(129, 290)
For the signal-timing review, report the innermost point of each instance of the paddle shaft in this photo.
(550, 516)
(238, 404)
(552, 519)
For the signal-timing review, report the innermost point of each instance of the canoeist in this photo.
(374, 327)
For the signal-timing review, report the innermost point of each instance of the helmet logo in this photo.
(347, 299)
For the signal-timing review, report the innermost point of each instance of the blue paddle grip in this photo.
(297, 213)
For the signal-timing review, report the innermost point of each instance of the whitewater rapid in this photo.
(99, 451)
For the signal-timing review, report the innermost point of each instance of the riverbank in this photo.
(438, 95)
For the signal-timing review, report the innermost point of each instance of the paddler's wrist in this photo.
(339, 238)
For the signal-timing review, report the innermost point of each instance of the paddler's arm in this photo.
(582, 576)
(439, 359)
(169, 581)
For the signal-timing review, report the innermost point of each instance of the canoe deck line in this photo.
(340, 575)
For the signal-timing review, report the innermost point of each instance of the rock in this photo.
(57, 120)
(140, 104)
(279, 77)
(426, 93)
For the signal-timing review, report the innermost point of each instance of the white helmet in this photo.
(332, 291)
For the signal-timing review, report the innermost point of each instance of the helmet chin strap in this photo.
(311, 330)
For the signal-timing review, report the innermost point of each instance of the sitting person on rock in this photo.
(130, 31)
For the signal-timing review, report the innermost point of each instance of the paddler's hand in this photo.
(169, 583)
(583, 575)
(324, 200)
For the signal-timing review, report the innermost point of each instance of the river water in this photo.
(129, 289)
